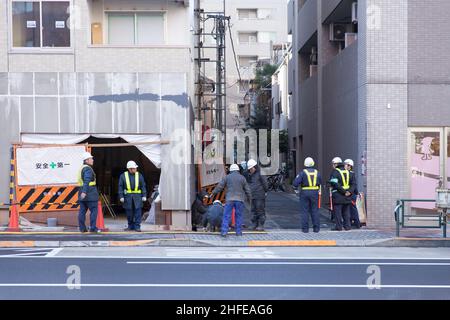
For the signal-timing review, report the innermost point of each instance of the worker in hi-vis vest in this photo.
(87, 194)
(132, 194)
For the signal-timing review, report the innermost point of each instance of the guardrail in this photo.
(400, 216)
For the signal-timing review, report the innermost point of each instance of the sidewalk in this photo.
(282, 229)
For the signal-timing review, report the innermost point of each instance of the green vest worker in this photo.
(88, 194)
(132, 194)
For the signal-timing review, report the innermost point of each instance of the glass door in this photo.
(426, 158)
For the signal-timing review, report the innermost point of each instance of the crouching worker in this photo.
(237, 190)
(212, 219)
(132, 194)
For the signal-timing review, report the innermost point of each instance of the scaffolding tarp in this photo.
(151, 151)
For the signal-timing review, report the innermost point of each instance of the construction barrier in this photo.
(52, 198)
(220, 196)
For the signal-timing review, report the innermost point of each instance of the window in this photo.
(247, 61)
(248, 37)
(245, 14)
(40, 24)
(267, 37)
(136, 28)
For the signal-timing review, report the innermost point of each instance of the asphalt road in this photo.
(262, 274)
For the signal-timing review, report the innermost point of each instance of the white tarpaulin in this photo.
(48, 166)
(212, 170)
(151, 151)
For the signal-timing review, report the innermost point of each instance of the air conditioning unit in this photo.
(350, 38)
(337, 31)
(355, 12)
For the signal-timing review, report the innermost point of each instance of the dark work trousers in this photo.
(309, 207)
(92, 206)
(342, 214)
(259, 212)
(354, 216)
(134, 217)
(238, 211)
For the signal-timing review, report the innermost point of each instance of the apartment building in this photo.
(101, 71)
(370, 81)
(255, 26)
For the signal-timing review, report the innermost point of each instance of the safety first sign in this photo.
(48, 165)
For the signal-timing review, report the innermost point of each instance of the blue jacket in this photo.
(88, 175)
(214, 216)
(301, 180)
(132, 198)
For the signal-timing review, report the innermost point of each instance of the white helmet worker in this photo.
(336, 160)
(309, 162)
(87, 155)
(349, 162)
(251, 164)
(234, 167)
(131, 165)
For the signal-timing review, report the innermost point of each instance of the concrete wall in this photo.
(340, 107)
(307, 19)
(308, 116)
(3, 38)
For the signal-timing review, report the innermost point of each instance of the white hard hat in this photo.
(234, 167)
(131, 165)
(251, 164)
(87, 155)
(336, 160)
(217, 202)
(309, 162)
(349, 162)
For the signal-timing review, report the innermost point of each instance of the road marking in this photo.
(290, 243)
(207, 285)
(54, 252)
(288, 263)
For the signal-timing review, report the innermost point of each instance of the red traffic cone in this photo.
(100, 221)
(13, 219)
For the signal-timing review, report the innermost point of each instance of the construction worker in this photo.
(132, 194)
(308, 182)
(212, 219)
(342, 184)
(237, 190)
(87, 194)
(259, 187)
(354, 216)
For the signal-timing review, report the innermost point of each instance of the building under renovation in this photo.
(99, 72)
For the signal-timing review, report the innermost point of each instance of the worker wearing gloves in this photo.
(343, 185)
(132, 194)
(259, 187)
(87, 194)
(354, 216)
(308, 182)
(237, 190)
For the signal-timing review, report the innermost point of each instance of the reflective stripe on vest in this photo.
(80, 177)
(345, 181)
(136, 183)
(312, 183)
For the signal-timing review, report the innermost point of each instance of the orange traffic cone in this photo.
(13, 219)
(233, 218)
(100, 221)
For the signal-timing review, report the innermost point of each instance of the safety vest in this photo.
(312, 180)
(345, 175)
(136, 183)
(80, 177)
